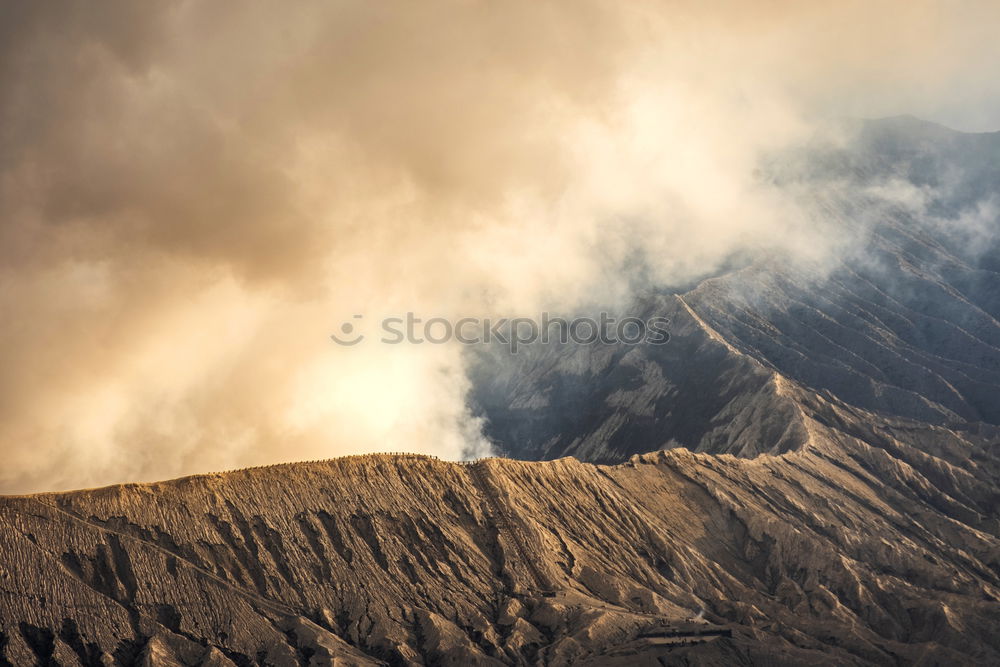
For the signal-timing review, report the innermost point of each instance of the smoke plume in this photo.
(193, 195)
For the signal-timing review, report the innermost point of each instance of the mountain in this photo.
(903, 323)
(837, 553)
(806, 473)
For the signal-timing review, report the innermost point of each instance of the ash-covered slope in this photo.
(837, 553)
(904, 321)
(607, 402)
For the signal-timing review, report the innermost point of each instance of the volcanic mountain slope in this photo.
(903, 323)
(836, 553)
(907, 324)
(841, 507)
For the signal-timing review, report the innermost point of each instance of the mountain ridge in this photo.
(573, 538)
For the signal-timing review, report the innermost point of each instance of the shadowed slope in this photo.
(904, 323)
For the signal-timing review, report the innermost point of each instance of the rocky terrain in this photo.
(827, 490)
(836, 553)
(905, 322)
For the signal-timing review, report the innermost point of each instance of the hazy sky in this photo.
(193, 195)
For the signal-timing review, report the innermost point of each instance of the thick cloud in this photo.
(194, 194)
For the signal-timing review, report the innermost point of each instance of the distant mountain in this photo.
(904, 324)
(829, 491)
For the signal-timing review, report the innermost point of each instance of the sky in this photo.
(194, 195)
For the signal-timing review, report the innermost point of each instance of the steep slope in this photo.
(605, 403)
(837, 553)
(904, 322)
